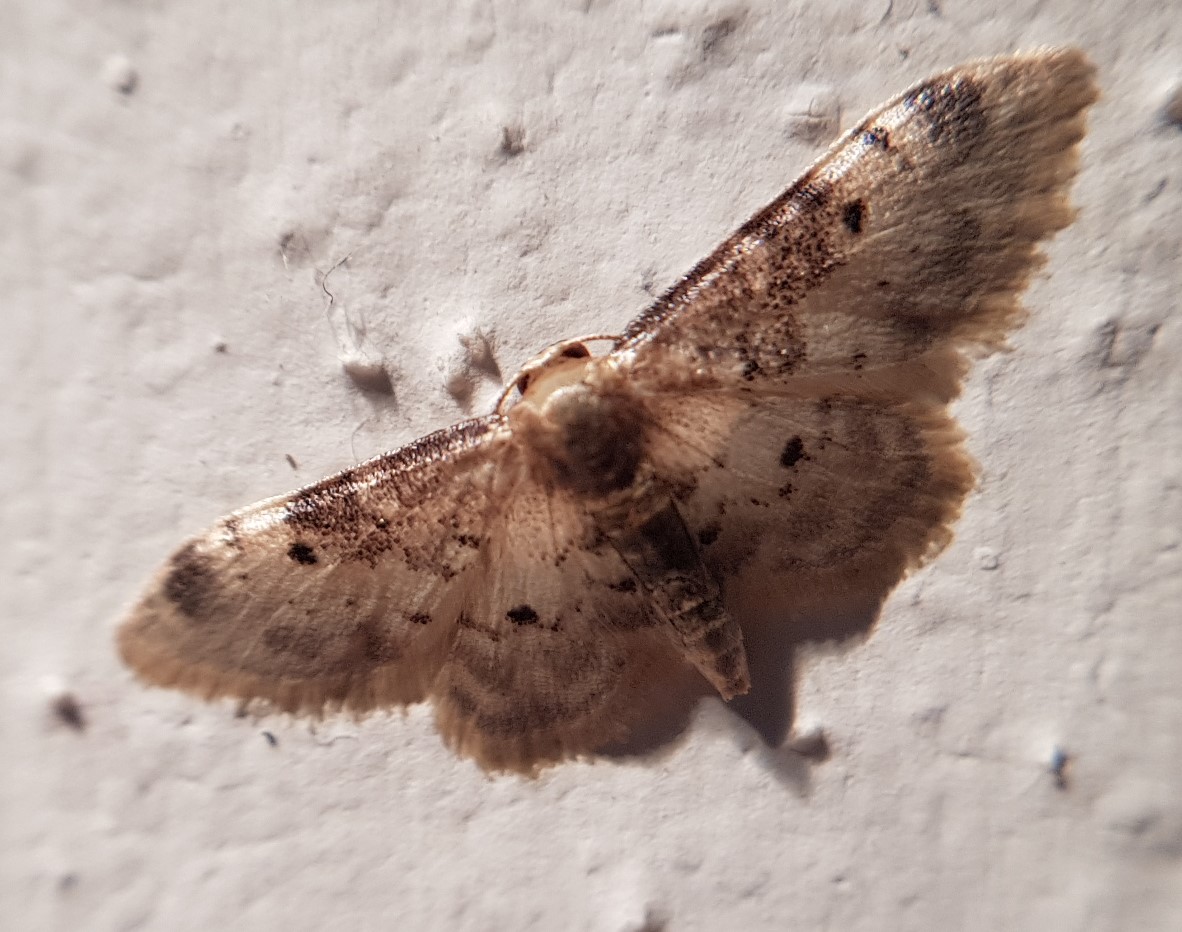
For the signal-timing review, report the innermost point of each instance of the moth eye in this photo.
(523, 381)
(575, 351)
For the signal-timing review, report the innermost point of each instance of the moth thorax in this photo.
(581, 439)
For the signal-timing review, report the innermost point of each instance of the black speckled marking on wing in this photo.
(192, 584)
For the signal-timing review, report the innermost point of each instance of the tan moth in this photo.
(783, 410)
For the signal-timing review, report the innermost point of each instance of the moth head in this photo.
(550, 364)
(555, 367)
(571, 423)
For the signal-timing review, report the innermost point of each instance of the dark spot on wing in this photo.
(877, 136)
(709, 534)
(420, 618)
(627, 584)
(302, 553)
(792, 453)
(376, 648)
(522, 615)
(191, 584)
(953, 110)
(852, 215)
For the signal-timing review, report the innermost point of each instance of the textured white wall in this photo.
(172, 177)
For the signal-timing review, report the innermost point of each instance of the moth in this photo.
(540, 572)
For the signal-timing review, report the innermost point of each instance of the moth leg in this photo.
(663, 557)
